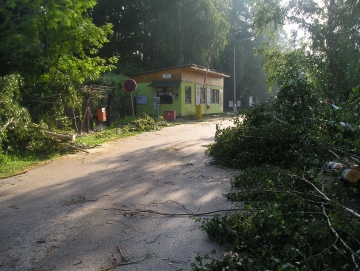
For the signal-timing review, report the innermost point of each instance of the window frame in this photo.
(188, 95)
(165, 97)
(215, 96)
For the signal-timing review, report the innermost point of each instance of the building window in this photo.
(215, 96)
(166, 95)
(188, 95)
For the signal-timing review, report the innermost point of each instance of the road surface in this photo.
(116, 205)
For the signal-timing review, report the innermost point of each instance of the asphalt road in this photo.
(135, 195)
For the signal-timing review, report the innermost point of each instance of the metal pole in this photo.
(234, 101)
(132, 104)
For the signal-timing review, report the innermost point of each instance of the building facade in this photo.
(183, 91)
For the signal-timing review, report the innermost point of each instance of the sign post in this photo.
(156, 106)
(130, 86)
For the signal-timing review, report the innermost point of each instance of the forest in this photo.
(299, 58)
(50, 50)
(56, 48)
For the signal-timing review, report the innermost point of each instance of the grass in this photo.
(18, 162)
(15, 162)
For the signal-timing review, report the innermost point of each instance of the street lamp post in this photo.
(234, 103)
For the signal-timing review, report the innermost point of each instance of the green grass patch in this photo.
(14, 162)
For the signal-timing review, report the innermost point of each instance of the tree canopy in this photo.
(331, 31)
(53, 45)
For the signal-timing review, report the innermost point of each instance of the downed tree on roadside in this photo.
(61, 137)
(298, 216)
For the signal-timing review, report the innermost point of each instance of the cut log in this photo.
(333, 165)
(63, 137)
(351, 175)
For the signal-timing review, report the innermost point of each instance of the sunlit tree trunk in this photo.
(181, 31)
(331, 51)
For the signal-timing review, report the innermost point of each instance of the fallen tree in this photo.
(297, 214)
(290, 222)
(59, 136)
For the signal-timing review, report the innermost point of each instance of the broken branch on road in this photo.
(138, 211)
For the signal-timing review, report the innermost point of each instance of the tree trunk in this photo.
(331, 52)
(62, 137)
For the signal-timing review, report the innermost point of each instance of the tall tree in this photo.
(332, 29)
(239, 54)
(153, 34)
(53, 45)
(129, 29)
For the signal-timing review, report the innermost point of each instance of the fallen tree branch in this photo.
(6, 124)
(352, 212)
(353, 254)
(325, 197)
(132, 213)
(317, 189)
(63, 137)
(121, 264)
(121, 254)
(293, 192)
(77, 148)
(181, 205)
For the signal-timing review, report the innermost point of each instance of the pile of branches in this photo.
(298, 215)
(292, 221)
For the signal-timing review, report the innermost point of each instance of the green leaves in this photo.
(283, 229)
(282, 131)
(16, 128)
(328, 51)
(53, 46)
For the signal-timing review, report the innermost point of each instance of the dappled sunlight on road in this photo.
(138, 193)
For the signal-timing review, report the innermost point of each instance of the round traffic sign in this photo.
(129, 85)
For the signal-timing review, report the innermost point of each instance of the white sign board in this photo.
(142, 99)
(156, 102)
(208, 96)
(198, 94)
(250, 101)
(221, 95)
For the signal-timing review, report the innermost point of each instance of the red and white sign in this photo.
(129, 85)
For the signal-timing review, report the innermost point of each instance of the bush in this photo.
(145, 123)
(16, 127)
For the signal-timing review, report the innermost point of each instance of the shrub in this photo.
(15, 121)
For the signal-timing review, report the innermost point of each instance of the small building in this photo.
(179, 91)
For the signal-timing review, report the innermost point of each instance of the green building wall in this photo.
(179, 105)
